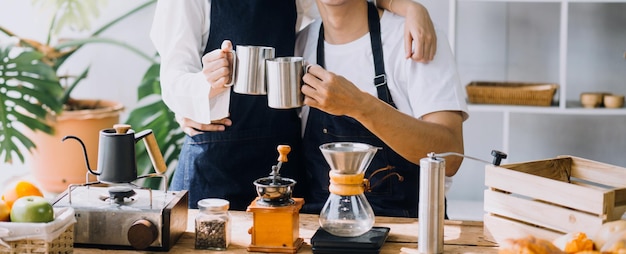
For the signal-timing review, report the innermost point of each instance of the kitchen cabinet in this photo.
(578, 44)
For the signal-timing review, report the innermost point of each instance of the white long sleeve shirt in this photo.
(179, 32)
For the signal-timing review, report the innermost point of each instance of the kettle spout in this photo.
(84, 152)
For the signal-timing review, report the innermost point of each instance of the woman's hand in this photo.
(216, 67)
(420, 41)
(420, 38)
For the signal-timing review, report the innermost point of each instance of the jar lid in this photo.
(214, 204)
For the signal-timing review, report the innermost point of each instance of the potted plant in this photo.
(36, 105)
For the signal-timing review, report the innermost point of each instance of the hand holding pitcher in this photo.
(248, 72)
(216, 68)
(255, 71)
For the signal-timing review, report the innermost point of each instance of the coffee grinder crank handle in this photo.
(283, 150)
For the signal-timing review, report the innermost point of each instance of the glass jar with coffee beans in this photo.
(213, 224)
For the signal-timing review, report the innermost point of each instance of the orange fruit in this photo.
(20, 189)
(5, 211)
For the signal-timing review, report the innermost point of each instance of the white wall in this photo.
(520, 42)
(494, 33)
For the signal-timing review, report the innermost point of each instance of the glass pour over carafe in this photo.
(347, 212)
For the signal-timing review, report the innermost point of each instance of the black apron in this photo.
(225, 164)
(394, 190)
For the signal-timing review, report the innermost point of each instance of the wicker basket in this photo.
(62, 244)
(18, 242)
(511, 93)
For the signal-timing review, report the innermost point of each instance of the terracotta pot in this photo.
(56, 164)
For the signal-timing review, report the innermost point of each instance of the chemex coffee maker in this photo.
(347, 219)
(275, 217)
(115, 212)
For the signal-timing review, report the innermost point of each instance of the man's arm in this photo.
(412, 138)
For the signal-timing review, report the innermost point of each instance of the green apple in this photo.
(32, 209)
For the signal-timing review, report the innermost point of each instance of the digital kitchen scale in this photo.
(371, 242)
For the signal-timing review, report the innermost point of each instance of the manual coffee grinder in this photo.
(431, 207)
(275, 214)
(347, 218)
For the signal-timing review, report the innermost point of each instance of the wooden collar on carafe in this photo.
(347, 185)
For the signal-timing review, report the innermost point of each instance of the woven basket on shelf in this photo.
(511, 93)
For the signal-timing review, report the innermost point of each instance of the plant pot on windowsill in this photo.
(56, 164)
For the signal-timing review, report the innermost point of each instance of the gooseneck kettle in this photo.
(116, 154)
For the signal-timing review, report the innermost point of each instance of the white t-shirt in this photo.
(179, 32)
(416, 88)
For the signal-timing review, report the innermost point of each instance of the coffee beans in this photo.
(211, 235)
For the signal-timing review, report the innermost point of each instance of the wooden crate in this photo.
(552, 197)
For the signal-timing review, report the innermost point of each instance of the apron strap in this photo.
(380, 79)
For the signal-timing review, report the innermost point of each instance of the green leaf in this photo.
(150, 84)
(155, 115)
(36, 110)
(33, 124)
(48, 86)
(26, 86)
(70, 88)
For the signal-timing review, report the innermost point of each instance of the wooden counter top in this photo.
(460, 236)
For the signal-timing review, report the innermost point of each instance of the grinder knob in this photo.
(142, 233)
(283, 150)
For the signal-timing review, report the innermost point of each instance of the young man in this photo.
(363, 89)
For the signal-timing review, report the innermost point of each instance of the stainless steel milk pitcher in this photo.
(248, 75)
(284, 82)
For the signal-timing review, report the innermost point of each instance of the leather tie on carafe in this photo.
(369, 186)
(355, 184)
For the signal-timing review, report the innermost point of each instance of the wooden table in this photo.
(460, 236)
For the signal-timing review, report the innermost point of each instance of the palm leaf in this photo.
(26, 86)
